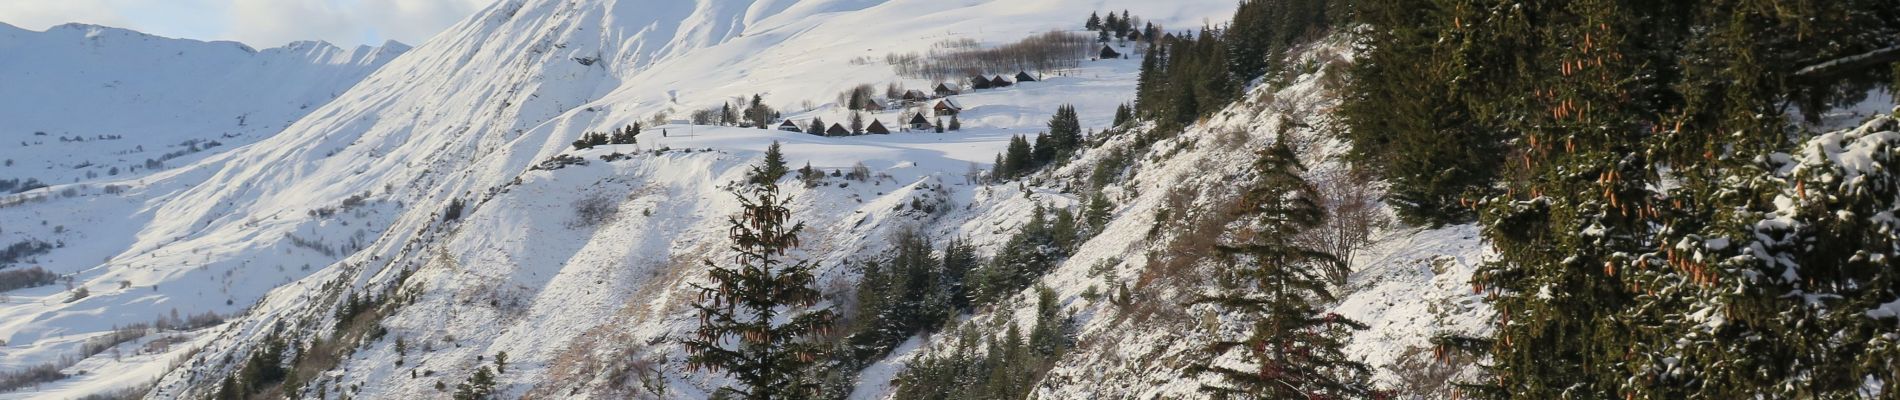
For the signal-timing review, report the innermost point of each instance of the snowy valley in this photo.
(388, 222)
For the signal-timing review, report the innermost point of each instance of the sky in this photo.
(259, 23)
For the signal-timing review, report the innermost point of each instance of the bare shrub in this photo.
(1422, 377)
(705, 116)
(859, 172)
(606, 363)
(34, 375)
(1352, 214)
(594, 210)
(118, 335)
(26, 278)
(133, 393)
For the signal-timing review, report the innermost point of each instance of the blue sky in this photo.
(259, 23)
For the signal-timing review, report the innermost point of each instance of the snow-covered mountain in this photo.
(86, 103)
(428, 186)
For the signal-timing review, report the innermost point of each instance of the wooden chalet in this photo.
(947, 107)
(877, 127)
(918, 122)
(1024, 77)
(948, 89)
(837, 130)
(1108, 52)
(1001, 82)
(914, 96)
(979, 83)
(790, 126)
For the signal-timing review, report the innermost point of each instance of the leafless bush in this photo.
(594, 210)
(25, 278)
(1352, 211)
(79, 293)
(1044, 52)
(859, 173)
(705, 116)
(34, 375)
(133, 393)
(122, 334)
(1421, 377)
(620, 364)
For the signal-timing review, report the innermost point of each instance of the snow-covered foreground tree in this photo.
(1291, 349)
(762, 300)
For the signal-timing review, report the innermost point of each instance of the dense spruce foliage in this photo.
(1666, 226)
(911, 291)
(1185, 75)
(1063, 140)
(1007, 366)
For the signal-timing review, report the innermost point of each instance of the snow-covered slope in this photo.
(355, 188)
(357, 200)
(85, 102)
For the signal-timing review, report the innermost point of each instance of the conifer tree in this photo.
(1065, 129)
(1249, 39)
(1148, 83)
(772, 168)
(999, 169)
(1050, 337)
(939, 125)
(762, 299)
(1098, 213)
(1123, 115)
(1017, 159)
(1028, 254)
(899, 297)
(817, 126)
(758, 113)
(857, 123)
(480, 386)
(1123, 25)
(1044, 152)
(1094, 23)
(1295, 350)
(959, 258)
(955, 124)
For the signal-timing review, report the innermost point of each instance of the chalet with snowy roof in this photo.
(875, 105)
(918, 122)
(1024, 77)
(947, 107)
(790, 126)
(948, 89)
(979, 82)
(1108, 52)
(1000, 82)
(837, 130)
(914, 96)
(877, 127)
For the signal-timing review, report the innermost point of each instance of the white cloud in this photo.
(412, 21)
(40, 14)
(260, 23)
(267, 23)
